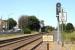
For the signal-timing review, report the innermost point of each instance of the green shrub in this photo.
(69, 27)
(26, 31)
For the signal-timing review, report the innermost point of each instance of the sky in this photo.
(42, 9)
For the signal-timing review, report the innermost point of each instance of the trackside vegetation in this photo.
(68, 33)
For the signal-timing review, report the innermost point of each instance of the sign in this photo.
(47, 37)
(63, 17)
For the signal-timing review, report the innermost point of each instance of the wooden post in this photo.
(47, 46)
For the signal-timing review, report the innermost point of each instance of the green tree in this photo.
(34, 23)
(47, 29)
(11, 23)
(50, 28)
(69, 27)
(30, 22)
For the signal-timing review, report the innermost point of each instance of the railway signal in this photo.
(58, 10)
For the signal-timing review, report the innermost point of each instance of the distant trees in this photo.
(47, 29)
(29, 22)
(11, 23)
(50, 28)
(67, 27)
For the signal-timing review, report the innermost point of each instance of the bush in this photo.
(26, 31)
(69, 27)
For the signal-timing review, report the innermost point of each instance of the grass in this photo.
(68, 36)
(14, 35)
(10, 35)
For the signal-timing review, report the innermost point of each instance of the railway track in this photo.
(22, 43)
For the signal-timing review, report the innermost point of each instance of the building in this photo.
(3, 25)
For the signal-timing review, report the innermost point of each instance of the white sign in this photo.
(63, 16)
(47, 37)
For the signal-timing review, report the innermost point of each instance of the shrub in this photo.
(69, 27)
(26, 31)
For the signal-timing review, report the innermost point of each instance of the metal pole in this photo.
(62, 26)
(62, 18)
(58, 32)
(62, 35)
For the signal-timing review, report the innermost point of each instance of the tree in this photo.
(69, 27)
(34, 23)
(11, 23)
(23, 22)
(30, 22)
(43, 29)
(47, 29)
